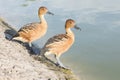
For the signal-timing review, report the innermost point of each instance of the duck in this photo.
(33, 31)
(60, 43)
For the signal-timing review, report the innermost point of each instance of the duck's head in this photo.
(70, 23)
(43, 10)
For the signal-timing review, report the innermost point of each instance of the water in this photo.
(95, 55)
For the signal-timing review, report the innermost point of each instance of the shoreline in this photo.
(16, 62)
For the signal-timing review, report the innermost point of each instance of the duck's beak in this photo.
(50, 13)
(76, 27)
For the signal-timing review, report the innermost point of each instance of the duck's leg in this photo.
(30, 47)
(58, 61)
(30, 44)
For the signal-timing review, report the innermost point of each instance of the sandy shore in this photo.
(17, 64)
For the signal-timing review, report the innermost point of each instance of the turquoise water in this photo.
(95, 55)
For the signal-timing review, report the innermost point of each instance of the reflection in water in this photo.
(95, 53)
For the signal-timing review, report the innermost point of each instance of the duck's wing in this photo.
(57, 40)
(28, 27)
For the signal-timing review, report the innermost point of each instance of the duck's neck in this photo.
(42, 19)
(70, 33)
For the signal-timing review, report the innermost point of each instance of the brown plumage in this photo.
(33, 31)
(60, 43)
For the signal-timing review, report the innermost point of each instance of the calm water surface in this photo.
(95, 54)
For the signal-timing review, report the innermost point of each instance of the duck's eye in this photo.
(70, 22)
(42, 8)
